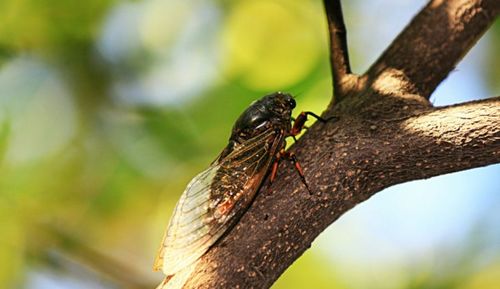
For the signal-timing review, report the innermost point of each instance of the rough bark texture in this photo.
(388, 133)
(434, 41)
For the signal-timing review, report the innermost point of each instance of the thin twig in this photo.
(339, 58)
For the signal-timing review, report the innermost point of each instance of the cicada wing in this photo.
(187, 230)
(201, 215)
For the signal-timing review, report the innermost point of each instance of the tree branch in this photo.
(433, 43)
(388, 133)
(354, 159)
(339, 56)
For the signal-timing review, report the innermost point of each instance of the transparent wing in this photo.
(201, 215)
(186, 230)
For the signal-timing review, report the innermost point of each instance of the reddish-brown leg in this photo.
(300, 121)
(274, 169)
(298, 126)
(291, 157)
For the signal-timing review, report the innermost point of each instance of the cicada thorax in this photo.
(256, 137)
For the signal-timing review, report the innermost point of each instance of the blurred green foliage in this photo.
(48, 26)
(84, 153)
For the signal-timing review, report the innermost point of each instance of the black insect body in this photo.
(216, 198)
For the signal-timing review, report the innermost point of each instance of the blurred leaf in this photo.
(278, 49)
(5, 54)
(11, 244)
(4, 137)
(487, 277)
(172, 130)
(309, 271)
(114, 192)
(492, 64)
(43, 26)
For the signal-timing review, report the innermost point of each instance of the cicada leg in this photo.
(299, 122)
(298, 126)
(292, 158)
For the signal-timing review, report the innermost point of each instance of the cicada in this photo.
(216, 198)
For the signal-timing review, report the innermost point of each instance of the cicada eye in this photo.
(292, 103)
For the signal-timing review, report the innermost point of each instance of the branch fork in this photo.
(388, 133)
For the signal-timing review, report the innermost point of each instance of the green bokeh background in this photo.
(108, 108)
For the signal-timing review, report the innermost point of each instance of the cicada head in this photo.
(271, 111)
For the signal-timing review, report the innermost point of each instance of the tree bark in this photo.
(387, 133)
(434, 41)
(342, 77)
